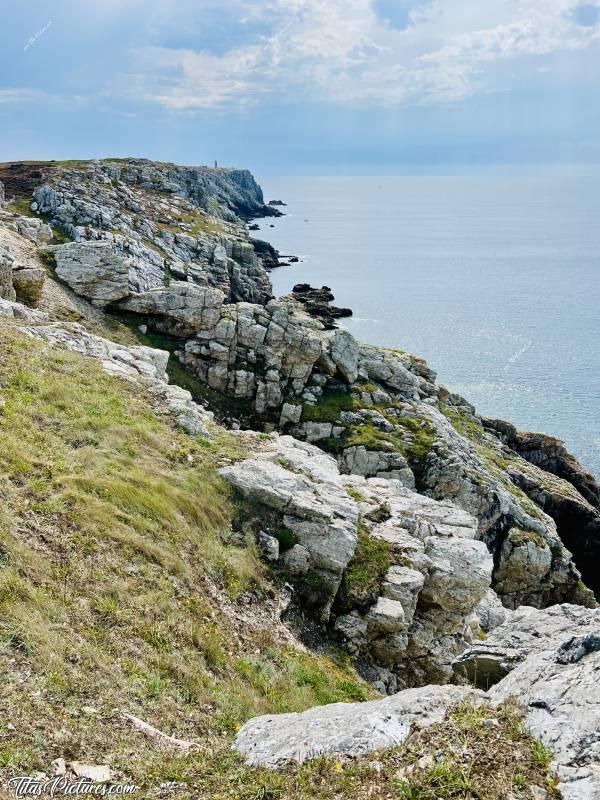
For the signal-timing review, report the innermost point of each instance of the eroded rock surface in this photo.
(398, 575)
(350, 729)
(550, 660)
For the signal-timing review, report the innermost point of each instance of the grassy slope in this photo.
(121, 587)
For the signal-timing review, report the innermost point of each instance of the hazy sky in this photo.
(306, 86)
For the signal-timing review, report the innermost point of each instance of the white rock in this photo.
(345, 729)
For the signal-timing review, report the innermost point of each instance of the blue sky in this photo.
(306, 86)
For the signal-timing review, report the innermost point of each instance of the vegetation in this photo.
(365, 572)
(477, 752)
(466, 424)
(196, 223)
(121, 586)
(21, 206)
(518, 536)
(329, 407)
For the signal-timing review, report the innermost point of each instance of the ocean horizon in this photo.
(495, 281)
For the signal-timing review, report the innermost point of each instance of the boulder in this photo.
(132, 363)
(94, 270)
(490, 611)
(7, 291)
(343, 350)
(553, 663)
(303, 485)
(29, 284)
(526, 632)
(180, 309)
(345, 729)
(460, 573)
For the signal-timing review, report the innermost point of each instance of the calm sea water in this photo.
(496, 282)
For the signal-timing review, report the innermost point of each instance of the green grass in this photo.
(463, 422)
(413, 438)
(21, 206)
(366, 571)
(121, 586)
(355, 495)
(329, 407)
(518, 536)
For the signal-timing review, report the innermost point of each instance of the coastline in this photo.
(489, 342)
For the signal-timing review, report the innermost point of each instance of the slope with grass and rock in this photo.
(217, 508)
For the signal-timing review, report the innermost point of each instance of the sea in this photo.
(494, 281)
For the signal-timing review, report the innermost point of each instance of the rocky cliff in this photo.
(396, 522)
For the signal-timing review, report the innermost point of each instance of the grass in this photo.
(121, 587)
(518, 536)
(355, 495)
(196, 224)
(21, 206)
(367, 569)
(477, 753)
(463, 422)
(413, 438)
(329, 407)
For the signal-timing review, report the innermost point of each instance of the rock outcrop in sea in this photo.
(436, 547)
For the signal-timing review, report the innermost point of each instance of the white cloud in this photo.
(8, 96)
(341, 51)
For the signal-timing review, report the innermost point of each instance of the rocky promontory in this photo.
(435, 547)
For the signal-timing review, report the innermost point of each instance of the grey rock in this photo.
(490, 611)
(268, 545)
(345, 729)
(29, 284)
(554, 679)
(343, 351)
(525, 633)
(180, 309)
(94, 270)
(460, 575)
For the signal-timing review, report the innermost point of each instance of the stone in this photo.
(526, 632)
(524, 556)
(268, 546)
(59, 766)
(290, 413)
(343, 350)
(296, 560)
(386, 616)
(345, 729)
(180, 309)
(404, 584)
(490, 611)
(460, 575)
(553, 677)
(29, 284)
(133, 363)
(97, 773)
(94, 270)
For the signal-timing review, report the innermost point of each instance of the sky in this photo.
(308, 87)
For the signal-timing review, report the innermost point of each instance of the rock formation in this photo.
(405, 527)
(347, 729)
(550, 661)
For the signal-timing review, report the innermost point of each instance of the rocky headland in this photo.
(451, 558)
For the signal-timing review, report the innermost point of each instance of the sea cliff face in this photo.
(403, 525)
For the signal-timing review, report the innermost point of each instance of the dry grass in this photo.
(121, 588)
(121, 585)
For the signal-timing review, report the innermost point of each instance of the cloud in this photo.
(350, 52)
(13, 96)
(21, 96)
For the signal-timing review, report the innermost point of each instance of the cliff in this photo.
(390, 519)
